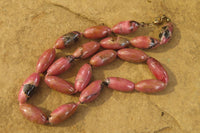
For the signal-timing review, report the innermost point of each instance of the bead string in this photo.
(91, 91)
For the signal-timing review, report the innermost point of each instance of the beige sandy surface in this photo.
(29, 27)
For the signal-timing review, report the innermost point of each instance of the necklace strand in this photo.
(115, 47)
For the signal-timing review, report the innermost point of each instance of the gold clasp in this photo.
(158, 21)
(161, 20)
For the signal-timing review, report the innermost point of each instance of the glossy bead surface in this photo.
(166, 33)
(125, 27)
(132, 55)
(45, 60)
(62, 113)
(33, 113)
(59, 84)
(86, 50)
(91, 92)
(114, 43)
(60, 65)
(120, 84)
(97, 32)
(67, 39)
(83, 77)
(33, 79)
(28, 87)
(144, 42)
(158, 70)
(150, 86)
(102, 58)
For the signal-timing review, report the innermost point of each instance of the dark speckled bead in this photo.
(67, 39)
(144, 42)
(125, 27)
(114, 43)
(166, 33)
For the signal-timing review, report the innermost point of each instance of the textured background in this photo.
(28, 27)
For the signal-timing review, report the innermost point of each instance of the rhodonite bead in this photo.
(60, 65)
(86, 50)
(28, 87)
(62, 113)
(144, 42)
(150, 86)
(59, 84)
(125, 27)
(102, 58)
(166, 33)
(33, 113)
(158, 70)
(97, 32)
(67, 39)
(114, 43)
(119, 84)
(132, 55)
(91, 92)
(83, 77)
(45, 60)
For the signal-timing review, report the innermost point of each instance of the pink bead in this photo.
(158, 70)
(67, 39)
(125, 27)
(144, 42)
(132, 55)
(59, 84)
(28, 87)
(150, 86)
(166, 33)
(97, 32)
(114, 43)
(102, 58)
(33, 79)
(86, 50)
(62, 113)
(33, 113)
(60, 66)
(120, 84)
(91, 92)
(45, 60)
(83, 77)
(22, 97)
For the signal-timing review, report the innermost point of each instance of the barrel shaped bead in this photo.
(67, 39)
(166, 33)
(89, 49)
(150, 86)
(33, 113)
(144, 42)
(114, 43)
(125, 27)
(33, 79)
(59, 84)
(132, 55)
(45, 60)
(91, 92)
(60, 65)
(83, 77)
(120, 84)
(62, 113)
(28, 87)
(102, 58)
(97, 32)
(86, 50)
(158, 70)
